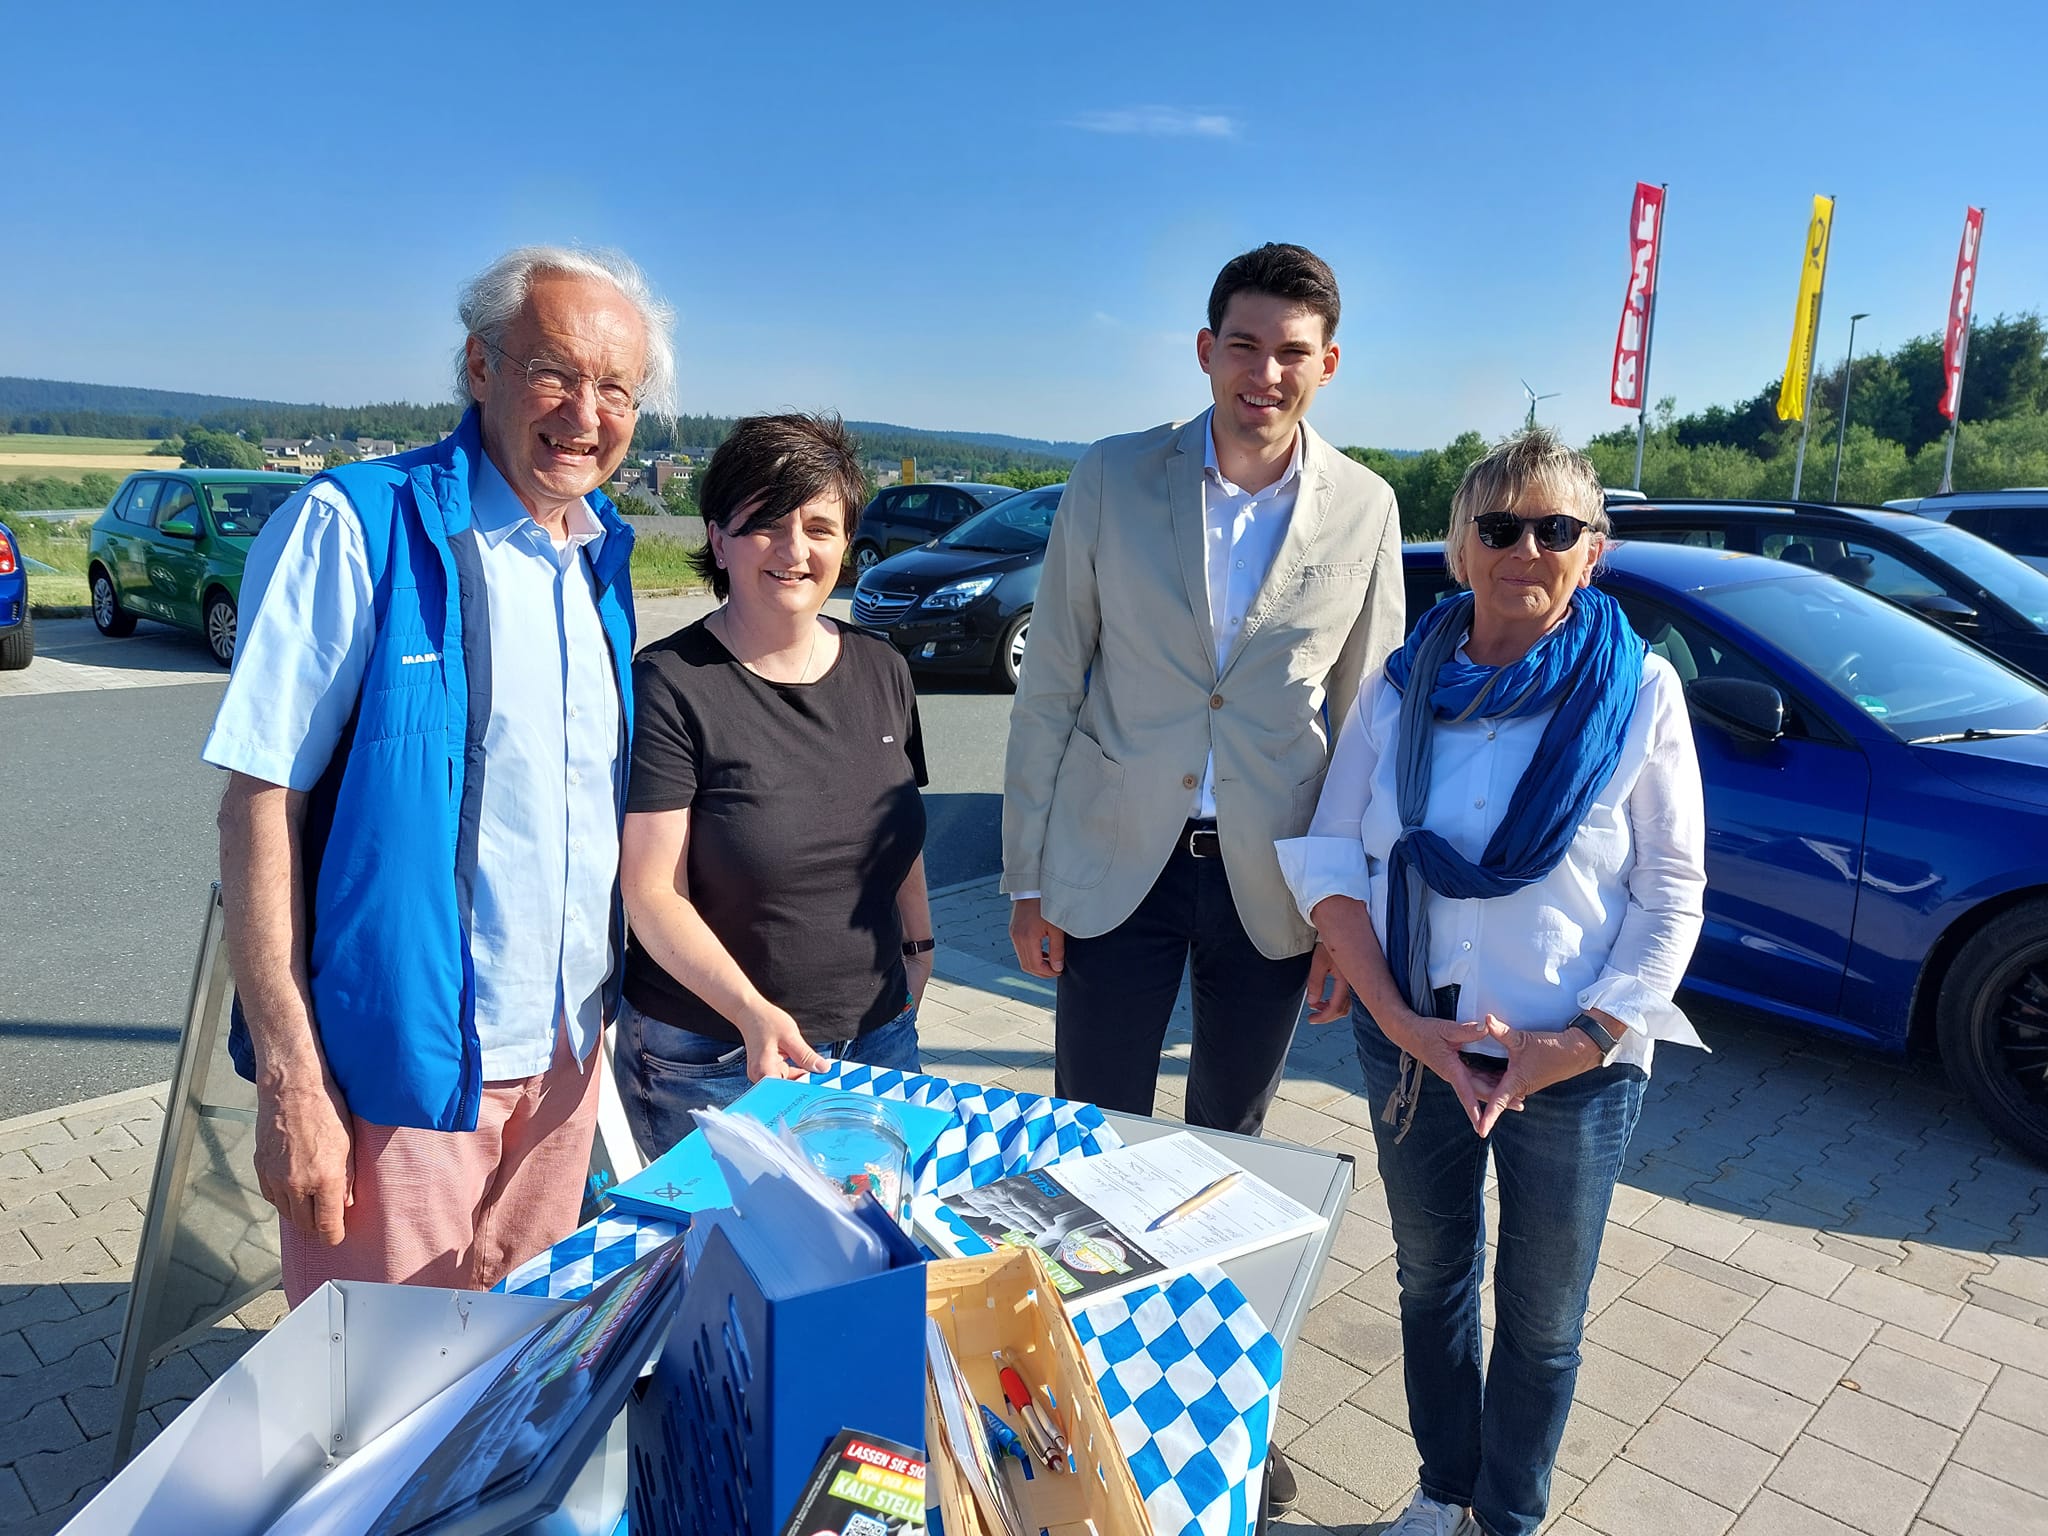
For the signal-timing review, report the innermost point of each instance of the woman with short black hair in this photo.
(773, 852)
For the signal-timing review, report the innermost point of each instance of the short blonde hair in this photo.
(1532, 462)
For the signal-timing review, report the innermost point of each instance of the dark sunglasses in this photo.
(1503, 530)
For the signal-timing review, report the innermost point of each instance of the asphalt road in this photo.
(107, 845)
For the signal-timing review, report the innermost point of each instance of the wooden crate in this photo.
(1006, 1300)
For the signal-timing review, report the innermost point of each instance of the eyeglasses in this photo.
(1503, 530)
(551, 381)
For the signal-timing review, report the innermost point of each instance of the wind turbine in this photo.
(1533, 398)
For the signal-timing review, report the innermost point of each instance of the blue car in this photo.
(17, 630)
(1877, 813)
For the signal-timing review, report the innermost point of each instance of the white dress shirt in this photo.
(1612, 927)
(548, 842)
(1241, 533)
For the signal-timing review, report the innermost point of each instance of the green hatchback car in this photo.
(171, 544)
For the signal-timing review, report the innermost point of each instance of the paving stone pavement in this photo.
(1821, 1310)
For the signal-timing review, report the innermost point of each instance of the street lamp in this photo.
(1842, 428)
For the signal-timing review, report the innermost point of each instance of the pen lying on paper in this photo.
(1196, 1201)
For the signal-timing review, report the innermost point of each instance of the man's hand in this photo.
(1041, 948)
(1325, 978)
(1537, 1059)
(302, 1156)
(775, 1046)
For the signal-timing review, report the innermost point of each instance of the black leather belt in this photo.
(1200, 840)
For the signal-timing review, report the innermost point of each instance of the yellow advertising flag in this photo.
(1806, 319)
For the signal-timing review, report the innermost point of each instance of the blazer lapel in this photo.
(1184, 498)
(1311, 506)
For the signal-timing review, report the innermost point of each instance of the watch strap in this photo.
(1597, 1031)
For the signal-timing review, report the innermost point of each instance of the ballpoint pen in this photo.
(1197, 1200)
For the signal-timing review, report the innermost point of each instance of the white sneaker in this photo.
(1425, 1517)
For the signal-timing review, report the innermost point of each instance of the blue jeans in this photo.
(664, 1072)
(1490, 1440)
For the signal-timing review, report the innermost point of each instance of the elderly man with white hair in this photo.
(427, 732)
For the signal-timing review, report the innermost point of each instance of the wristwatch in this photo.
(918, 947)
(1596, 1031)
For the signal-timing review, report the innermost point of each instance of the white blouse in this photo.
(1612, 927)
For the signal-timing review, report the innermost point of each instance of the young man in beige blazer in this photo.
(1211, 596)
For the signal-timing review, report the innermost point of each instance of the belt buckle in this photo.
(1195, 843)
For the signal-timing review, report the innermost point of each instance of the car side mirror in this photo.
(179, 528)
(1749, 710)
(1945, 609)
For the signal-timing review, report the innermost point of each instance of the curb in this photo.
(60, 610)
(105, 1101)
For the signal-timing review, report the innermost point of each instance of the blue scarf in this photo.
(1588, 669)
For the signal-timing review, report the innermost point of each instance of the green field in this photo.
(86, 447)
(659, 565)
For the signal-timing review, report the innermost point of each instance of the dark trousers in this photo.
(1117, 992)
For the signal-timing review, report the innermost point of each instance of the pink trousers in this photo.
(461, 1209)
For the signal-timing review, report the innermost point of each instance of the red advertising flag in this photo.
(1632, 341)
(1955, 346)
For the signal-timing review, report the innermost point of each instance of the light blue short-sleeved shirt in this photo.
(548, 842)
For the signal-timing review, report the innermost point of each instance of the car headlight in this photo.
(958, 594)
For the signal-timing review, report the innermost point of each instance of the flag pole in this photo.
(1955, 422)
(1813, 353)
(1650, 330)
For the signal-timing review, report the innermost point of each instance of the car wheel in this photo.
(220, 627)
(108, 616)
(865, 558)
(18, 649)
(1010, 652)
(1992, 1022)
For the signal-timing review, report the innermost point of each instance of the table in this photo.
(1279, 1281)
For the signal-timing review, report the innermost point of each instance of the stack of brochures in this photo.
(1137, 1215)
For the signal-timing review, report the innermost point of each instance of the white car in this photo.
(2015, 520)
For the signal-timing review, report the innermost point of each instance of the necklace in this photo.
(810, 656)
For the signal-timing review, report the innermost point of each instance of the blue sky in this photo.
(1004, 218)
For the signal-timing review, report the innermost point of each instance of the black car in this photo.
(1933, 568)
(963, 602)
(904, 516)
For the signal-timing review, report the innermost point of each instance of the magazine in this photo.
(539, 1399)
(863, 1486)
(1098, 1220)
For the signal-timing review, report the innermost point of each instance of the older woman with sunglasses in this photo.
(1507, 866)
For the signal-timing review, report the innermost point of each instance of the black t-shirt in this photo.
(805, 819)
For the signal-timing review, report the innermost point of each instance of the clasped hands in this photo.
(1536, 1059)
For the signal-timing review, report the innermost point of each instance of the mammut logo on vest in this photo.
(419, 659)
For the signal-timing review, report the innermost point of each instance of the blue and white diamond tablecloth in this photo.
(1187, 1371)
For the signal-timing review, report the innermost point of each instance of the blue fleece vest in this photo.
(390, 837)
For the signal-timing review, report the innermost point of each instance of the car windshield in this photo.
(2004, 576)
(1910, 676)
(240, 511)
(1012, 527)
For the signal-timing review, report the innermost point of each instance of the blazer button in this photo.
(1215, 701)
(1188, 781)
